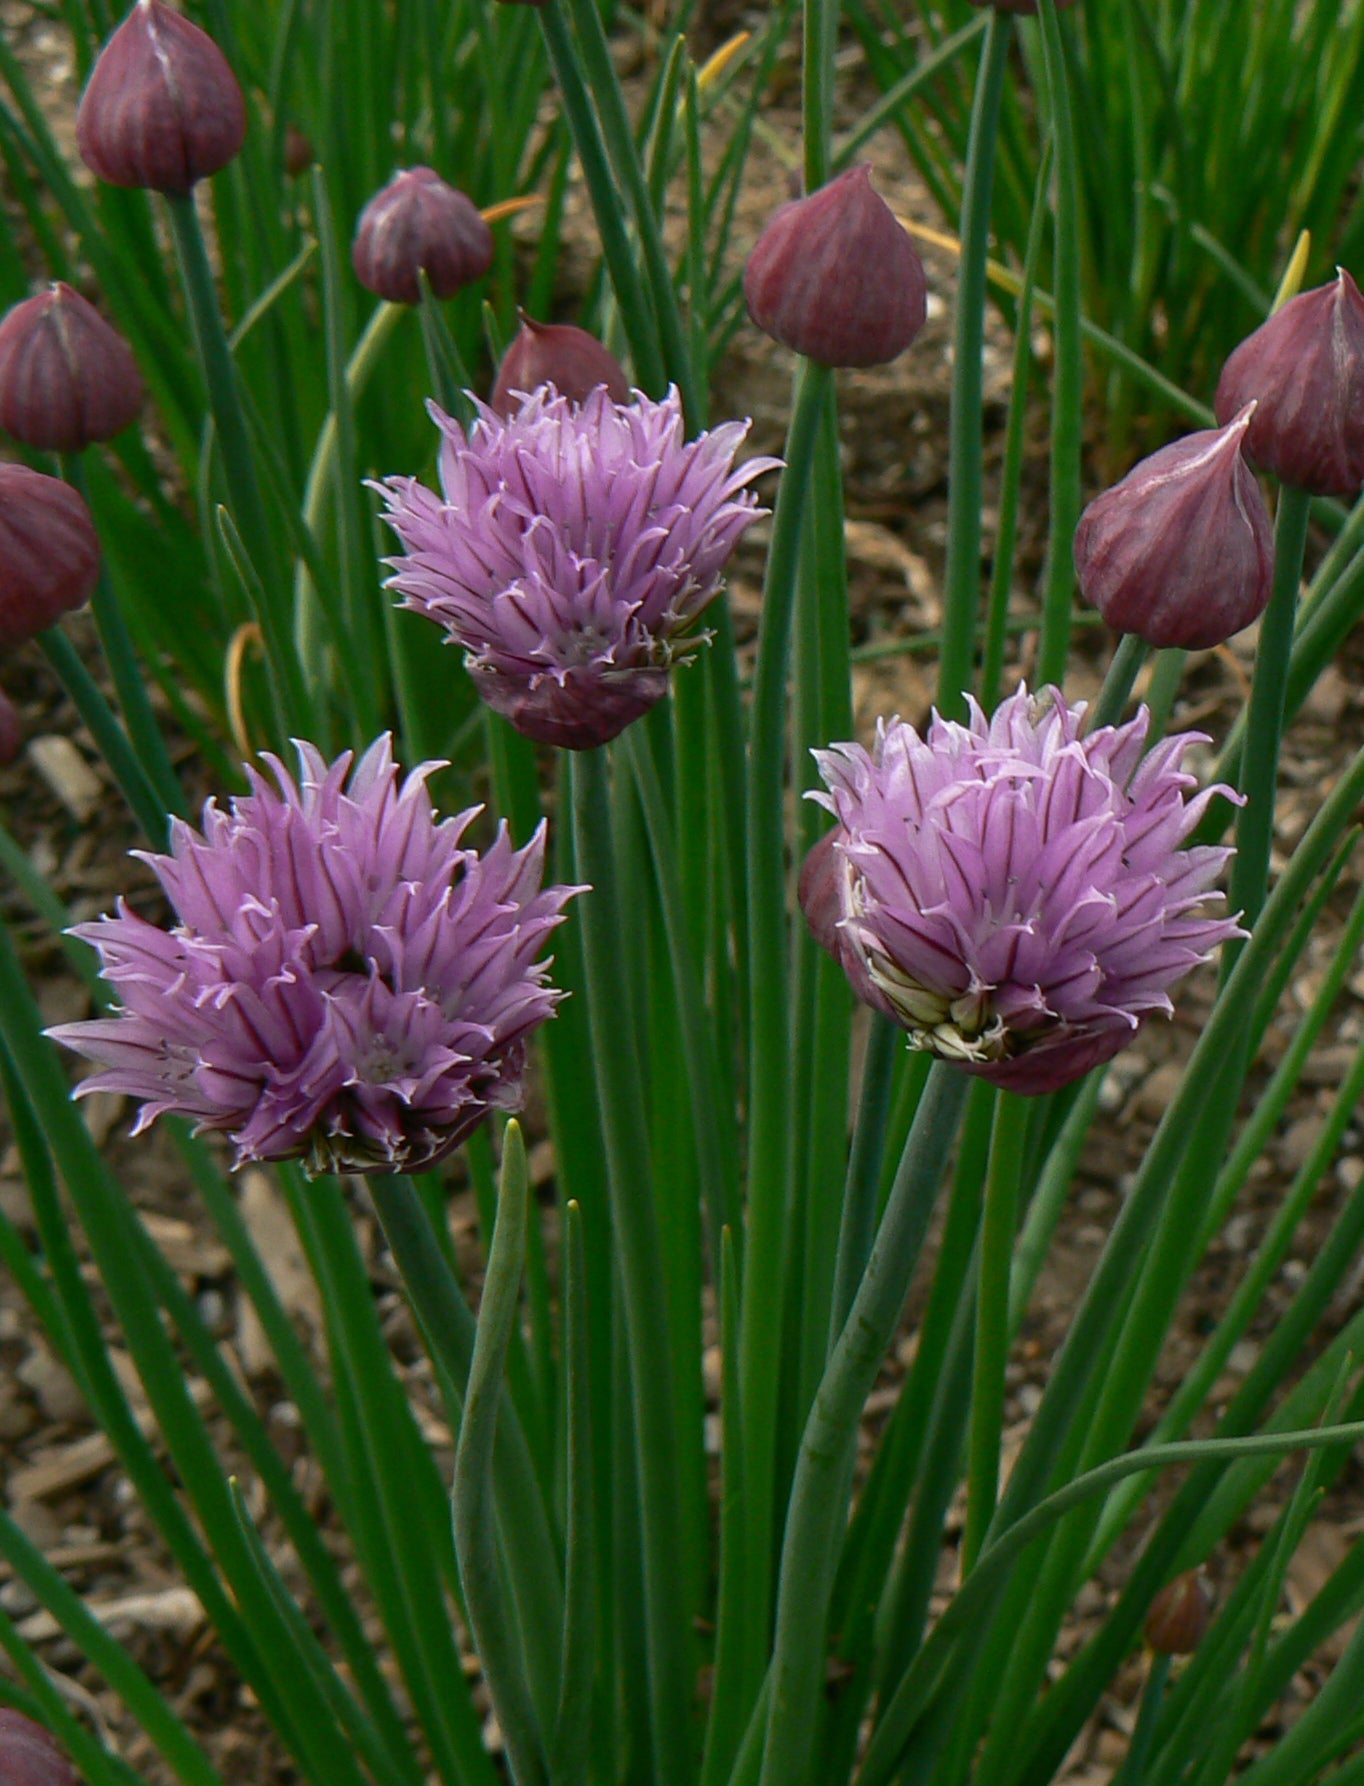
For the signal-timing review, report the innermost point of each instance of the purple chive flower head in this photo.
(571, 552)
(347, 984)
(1010, 891)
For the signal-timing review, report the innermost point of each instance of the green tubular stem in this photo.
(634, 1221)
(1068, 400)
(103, 725)
(308, 620)
(961, 595)
(143, 732)
(998, 1232)
(234, 441)
(1133, 1770)
(1122, 673)
(636, 312)
(472, 1499)
(449, 1330)
(1265, 719)
(823, 1475)
(595, 60)
(975, 1599)
(769, 1011)
(858, 1225)
(568, 1757)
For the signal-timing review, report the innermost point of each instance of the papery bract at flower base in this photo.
(1012, 892)
(347, 984)
(1181, 552)
(1304, 369)
(571, 553)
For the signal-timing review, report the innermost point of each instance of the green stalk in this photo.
(961, 587)
(634, 1220)
(234, 441)
(769, 1012)
(861, 1193)
(322, 472)
(144, 733)
(1265, 718)
(475, 1518)
(1122, 673)
(998, 1232)
(1133, 1769)
(976, 1596)
(1011, 472)
(568, 1763)
(110, 737)
(1067, 423)
(823, 1476)
(450, 1334)
(597, 63)
(636, 313)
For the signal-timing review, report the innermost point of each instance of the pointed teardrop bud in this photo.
(66, 377)
(1305, 368)
(29, 1755)
(162, 108)
(835, 276)
(570, 359)
(1181, 552)
(1178, 1619)
(49, 553)
(416, 224)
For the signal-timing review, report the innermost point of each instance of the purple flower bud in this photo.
(1180, 1613)
(162, 108)
(570, 359)
(419, 224)
(29, 1755)
(836, 277)
(1305, 369)
(1012, 891)
(299, 154)
(49, 552)
(1181, 552)
(347, 984)
(66, 377)
(573, 549)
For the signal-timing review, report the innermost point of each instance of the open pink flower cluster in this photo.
(1013, 891)
(347, 985)
(571, 552)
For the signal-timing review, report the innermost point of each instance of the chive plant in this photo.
(803, 1060)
